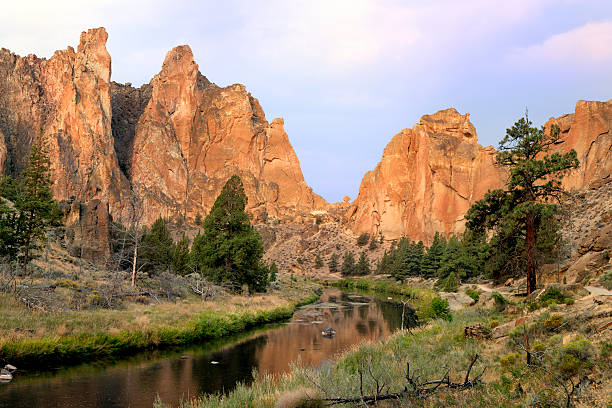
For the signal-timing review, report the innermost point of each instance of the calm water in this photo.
(211, 367)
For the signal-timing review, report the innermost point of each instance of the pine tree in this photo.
(333, 263)
(408, 260)
(363, 239)
(230, 249)
(363, 265)
(373, 244)
(180, 256)
(318, 263)
(273, 272)
(24, 225)
(535, 179)
(156, 248)
(432, 260)
(348, 264)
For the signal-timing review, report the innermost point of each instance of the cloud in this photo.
(585, 47)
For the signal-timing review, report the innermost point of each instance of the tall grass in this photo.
(209, 325)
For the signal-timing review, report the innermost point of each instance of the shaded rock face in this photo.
(88, 228)
(193, 135)
(66, 97)
(428, 178)
(430, 175)
(3, 154)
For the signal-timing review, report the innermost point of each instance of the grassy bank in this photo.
(420, 298)
(96, 335)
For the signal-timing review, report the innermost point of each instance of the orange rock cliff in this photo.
(430, 175)
(173, 143)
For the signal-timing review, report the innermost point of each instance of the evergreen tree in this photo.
(432, 261)
(373, 244)
(273, 272)
(180, 256)
(363, 239)
(518, 211)
(156, 248)
(363, 265)
(408, 259)
(318, 263)
(348, 264)
(230, 249)
(23, 226)
(450, 258)
(333, 263)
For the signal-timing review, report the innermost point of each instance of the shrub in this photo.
(500, 301)
(553, 322)
(509, 360)
(363, 239)
(571, 359)
(441, 309)
(449, 284)
(555, 295)
(606, 279)
(473, 293)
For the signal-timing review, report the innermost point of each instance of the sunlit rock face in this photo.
(428, 178)
(66, 97)
(430, 175)
(174, 142)
(193, 135)
(588, 131)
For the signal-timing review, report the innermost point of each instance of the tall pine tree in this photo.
(518, 210)
(230, 249)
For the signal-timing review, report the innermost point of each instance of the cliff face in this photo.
(428, 178)
(588, 131)
(193, 135)
(431, 174)
(174, 142)
(67, 97)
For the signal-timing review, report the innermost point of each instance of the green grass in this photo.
(209, 325)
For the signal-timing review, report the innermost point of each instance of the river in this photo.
(212, 367)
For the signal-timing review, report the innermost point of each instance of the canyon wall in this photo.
(171, 143)
(431, 174)
(428, 178)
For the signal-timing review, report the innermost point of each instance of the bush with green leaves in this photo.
(573, 358)
(363, 239)
(500, 301)
(606, 279)
(448, 284)
(555, 296)
(441, 309)
(473, 293)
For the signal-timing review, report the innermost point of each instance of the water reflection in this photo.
(178, 375)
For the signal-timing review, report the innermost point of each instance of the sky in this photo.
(347, 75)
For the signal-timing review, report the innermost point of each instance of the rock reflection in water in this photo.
(179, 375)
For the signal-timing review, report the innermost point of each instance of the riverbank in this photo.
(32, 339)
(569, 347)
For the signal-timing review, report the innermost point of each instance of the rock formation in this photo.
(193, 135)
(588, 131)
(430, 175)
(428, 178)
(66, 97)
(174, 142)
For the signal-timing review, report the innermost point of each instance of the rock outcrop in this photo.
(193, 135)
(87, 228)
(430, 175)
(588, 131)
(66, 97)
(173, 142)
(428, 178)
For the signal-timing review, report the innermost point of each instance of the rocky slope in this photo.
(431, 174)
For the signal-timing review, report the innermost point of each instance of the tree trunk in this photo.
(530, 252)
(134, 261)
